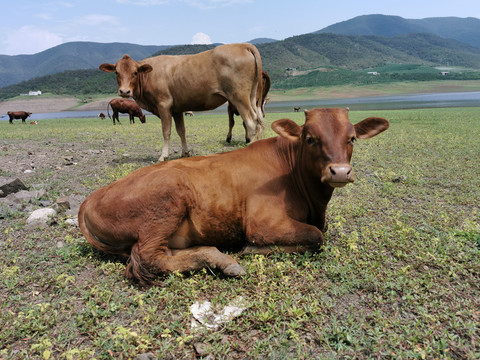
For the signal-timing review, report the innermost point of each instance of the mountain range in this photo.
(361, 42)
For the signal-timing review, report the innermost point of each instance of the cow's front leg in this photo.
(265, 233)
(180, 127)
(166, 118)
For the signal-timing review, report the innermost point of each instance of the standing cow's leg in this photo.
(115, 116)
(231, 122)
(249, 120)
(180, 127)
(166, 118)
(132, 120)
(260, 124)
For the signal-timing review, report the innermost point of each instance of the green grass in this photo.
(398, 278)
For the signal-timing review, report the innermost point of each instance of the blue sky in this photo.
(31, 26)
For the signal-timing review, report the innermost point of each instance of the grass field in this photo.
(399, 277)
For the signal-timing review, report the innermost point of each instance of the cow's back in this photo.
(201, 81)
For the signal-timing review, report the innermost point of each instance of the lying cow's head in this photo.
(326, 142)
(128, 73)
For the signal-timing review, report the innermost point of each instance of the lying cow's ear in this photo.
(145, 68)
(107, 67)
(370, 127)
(287, 128)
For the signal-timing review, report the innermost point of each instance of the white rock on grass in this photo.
(41, 217)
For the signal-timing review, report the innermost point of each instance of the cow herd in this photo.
(180, 215)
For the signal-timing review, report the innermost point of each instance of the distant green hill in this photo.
(68, 56)
(305, 60)
(466, 30)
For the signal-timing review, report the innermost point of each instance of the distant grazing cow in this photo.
(18, 115)
(125, 106)
(102, 115)
(188, 113)
(261, 98)
(170, 85)
(296, 109)
(175, 215)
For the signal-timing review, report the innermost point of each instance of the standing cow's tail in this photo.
(107, 110)
(256, 92)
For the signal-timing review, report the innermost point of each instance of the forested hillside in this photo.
(305, 60)
(69, 56)
(466, 30)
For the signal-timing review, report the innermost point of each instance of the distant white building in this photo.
(34, 93)
(373, 73)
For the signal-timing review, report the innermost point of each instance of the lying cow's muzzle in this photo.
(338, 175)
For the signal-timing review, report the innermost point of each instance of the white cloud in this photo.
(201, 38)
(30, 40)
(98, 19)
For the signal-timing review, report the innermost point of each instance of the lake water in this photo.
(415, 101)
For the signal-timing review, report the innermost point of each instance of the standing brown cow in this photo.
(125, 106)
(18, 115)
(175, 215)
(261, 98)
(171, 85)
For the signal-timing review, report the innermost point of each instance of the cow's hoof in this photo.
(234, 270)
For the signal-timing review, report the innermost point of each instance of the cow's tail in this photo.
(138, 270)
(256, 92)
(107, 110)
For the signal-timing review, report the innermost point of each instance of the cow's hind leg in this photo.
(231, 122)
(180, 127)
(249, 117)
(145, 265)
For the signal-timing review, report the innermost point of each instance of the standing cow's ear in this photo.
(287, 128)
(107, 67)
(370, 127)
(145, 68)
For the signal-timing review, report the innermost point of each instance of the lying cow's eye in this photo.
(310, 141)
(352, 140)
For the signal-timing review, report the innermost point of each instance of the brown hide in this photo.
(18, 115)
(174, 216)
(261, 99)
(170, 85)
(125, 106)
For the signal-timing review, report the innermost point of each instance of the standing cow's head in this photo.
(128, 75)
(325, 142)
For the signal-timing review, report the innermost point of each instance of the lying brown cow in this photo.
(171, 85)
(18, 115)
(175, 215)
(102, 115)
(232, 111)
(125, 106)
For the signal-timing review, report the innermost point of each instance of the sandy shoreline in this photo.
(51, 105)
